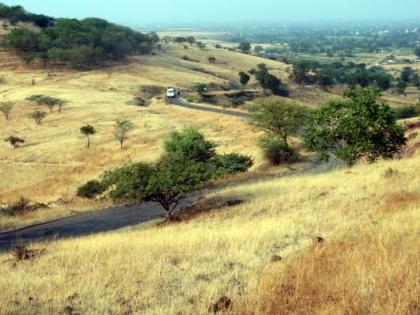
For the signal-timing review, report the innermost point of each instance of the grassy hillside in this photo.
(368, 263)
(54, 161)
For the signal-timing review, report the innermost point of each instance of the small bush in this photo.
(390, 172)
(233, 163)
(276, 151)
(212, 59)
(90, 189)
(35, 98)
(14, 141)
(18, 208)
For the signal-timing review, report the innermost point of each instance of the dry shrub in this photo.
(21, 252)
(369, 276)
(21, 207)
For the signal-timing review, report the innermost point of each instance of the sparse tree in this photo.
(245, 47)
(354, 128)
(14, 141)
(38, 116)
(6, 108)
(218, 46)
(200, 88)
(188, 161)
(417, 51)
(258, 49)
(212, 59)
(244, 78)
(277, 118)
(88, 131)
(121, 128)
(201, 45)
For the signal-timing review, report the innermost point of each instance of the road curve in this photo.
(83, 224)
(182, 103)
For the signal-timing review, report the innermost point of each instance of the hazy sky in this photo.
(189, 12)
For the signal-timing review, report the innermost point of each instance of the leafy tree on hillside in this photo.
(200, 88)
(417, 51)
(6, 108)
(407, 74)
(212, 59)
(400, 87)
(258, 49)
(300, 72)
(201, 45)
(15, 141)
(18, 14)
(244, 78)
(121, 128)
(277, 117)
(89, 42)
(354, 128)
(270, 82)
(190, 144)
(38, 116)
(88, 131)
(245, 47)
(188, 161)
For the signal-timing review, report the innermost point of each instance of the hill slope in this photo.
(54, 161)
(368, 263)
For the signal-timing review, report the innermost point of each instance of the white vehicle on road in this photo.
(172, 93)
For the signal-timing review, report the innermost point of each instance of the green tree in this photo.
(121, 128)
(200, 88)
(244, 78)
(190, 144)
(277, 117)
(354, 128)
(188, 161)
(212, 59)
(245, 47)
(6, 108)
(88, 131)
(38, 116)
(258, 49)
(400, 87)
(270, 82)
(417, 51)
(407, 74)
(300, 72)
(276, 150)
(14, 141)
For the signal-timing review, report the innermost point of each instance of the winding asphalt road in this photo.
(83, 224)
(181, 103)
(120, 216)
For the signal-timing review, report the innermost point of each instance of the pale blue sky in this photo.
(192, 12)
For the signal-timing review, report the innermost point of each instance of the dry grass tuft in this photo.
(399, 200)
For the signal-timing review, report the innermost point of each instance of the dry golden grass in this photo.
(375, 273)
(368, 263)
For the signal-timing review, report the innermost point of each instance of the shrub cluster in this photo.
(18, 14)
(276, 151)
(89, 42)
(188, 160)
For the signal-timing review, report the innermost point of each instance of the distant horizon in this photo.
(162, 14)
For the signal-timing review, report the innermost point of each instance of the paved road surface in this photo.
(83, 224)
(181, 103)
